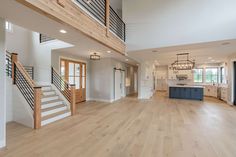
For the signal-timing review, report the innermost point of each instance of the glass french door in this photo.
(75, 73)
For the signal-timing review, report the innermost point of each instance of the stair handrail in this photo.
(68, 93)
(31, 92)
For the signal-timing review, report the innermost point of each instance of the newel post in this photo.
(107, 17)
(14, 59)
(73, 103)
(37, 107)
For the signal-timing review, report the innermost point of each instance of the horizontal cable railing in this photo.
(8, 64)
(24, 83)
(117, 26)
(44, 38)
(96, 7)
(30, 71)
(62, 85)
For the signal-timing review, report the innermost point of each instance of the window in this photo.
(211, 75)
(222, 75)
(8, 27)
(198, 75)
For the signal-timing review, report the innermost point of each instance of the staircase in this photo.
(52, 107)
(46, 104)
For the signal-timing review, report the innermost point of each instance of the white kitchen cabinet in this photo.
(224, 93)
(211, 90)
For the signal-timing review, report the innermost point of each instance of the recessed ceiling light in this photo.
(209, 57)
(213, 60)
(108, 51)
(63, 31)
(127, 59)
(137, 64)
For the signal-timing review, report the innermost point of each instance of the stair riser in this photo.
(53, 111)
(59, 117)
(46, 88)
(49, 93)
(49, 99)
(51, 105)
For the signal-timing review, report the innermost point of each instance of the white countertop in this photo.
(187, 86)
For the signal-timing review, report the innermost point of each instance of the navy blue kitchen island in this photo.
(186, 92)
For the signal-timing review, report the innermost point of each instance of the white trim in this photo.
(2, 144)
(101, 100)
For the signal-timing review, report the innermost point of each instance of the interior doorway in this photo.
(119, 84)
(75, 73)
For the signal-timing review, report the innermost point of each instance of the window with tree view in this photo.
(198, 75)
(211, 75)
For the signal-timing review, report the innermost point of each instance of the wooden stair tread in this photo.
(49, 96)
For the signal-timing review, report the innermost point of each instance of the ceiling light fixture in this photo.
(209, 57)
(127, 60)
(183, 64)
(108, 51)
(95, 56)
(63, 31)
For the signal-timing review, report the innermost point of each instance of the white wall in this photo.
(163, 23)
(101, 82)
(146, 82)
(2, 85)
(18, 41)
(102, 78)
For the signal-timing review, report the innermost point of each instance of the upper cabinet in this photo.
(95, 19)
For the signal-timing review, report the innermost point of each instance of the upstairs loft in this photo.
(94, 19)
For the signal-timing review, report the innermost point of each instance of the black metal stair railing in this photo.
(8, 65)
(61, 84)
(30, 71)
(24, 86)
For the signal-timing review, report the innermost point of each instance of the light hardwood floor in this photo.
(131, 128)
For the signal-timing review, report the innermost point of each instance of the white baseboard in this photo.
(2, 144)
(100, 100)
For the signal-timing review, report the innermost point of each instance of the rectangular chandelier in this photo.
(94, 57)
(183, 64)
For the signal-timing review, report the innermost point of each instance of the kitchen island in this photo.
(186, 92)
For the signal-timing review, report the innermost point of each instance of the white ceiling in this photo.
(27, 18)
(212, 52)
(166, 23)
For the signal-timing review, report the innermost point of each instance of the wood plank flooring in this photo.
(159, 127)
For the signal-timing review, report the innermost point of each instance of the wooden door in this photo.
(75, 73)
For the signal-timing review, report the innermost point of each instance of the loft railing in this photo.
(117, 26)
(65, 88)
(26, 86)
(44, 38)
(97, 8)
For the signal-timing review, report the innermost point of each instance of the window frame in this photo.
(217, 75)
(200, 75)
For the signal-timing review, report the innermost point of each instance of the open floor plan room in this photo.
(117, 78)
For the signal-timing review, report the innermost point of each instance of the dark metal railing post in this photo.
(52, 75)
